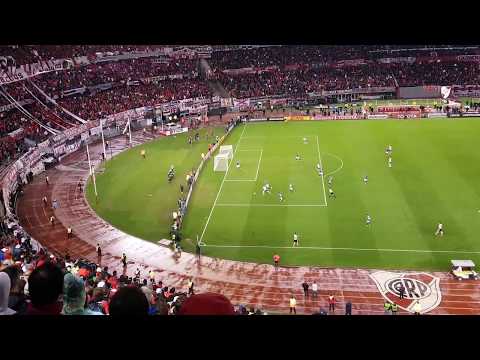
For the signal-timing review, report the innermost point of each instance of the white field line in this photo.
(337, 170)
(221, 185)
(251, 149)
(347, 249)
(276, 137)
(270, 205)
(250, 180)
(258, 167)
(321, 165)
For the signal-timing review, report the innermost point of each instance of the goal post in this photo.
(228, 150)
(220, 162)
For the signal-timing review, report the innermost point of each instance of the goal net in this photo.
(227, 150)
(220, 162)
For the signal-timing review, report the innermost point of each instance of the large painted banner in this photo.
(30, 70)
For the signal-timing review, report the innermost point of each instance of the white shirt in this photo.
(440, 226)
(314, 287)
(295, 237)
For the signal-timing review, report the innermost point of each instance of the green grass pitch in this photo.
(435, 177)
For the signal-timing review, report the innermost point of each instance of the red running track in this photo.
(251, 284)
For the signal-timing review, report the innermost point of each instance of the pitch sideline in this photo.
(346, 249)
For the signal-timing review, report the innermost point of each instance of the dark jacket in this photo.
(348, 308)
(18, 302)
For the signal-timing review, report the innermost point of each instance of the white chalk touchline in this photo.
(221, 186)
(321, 166)
(346, 249)
(258, 167)
(268, 205)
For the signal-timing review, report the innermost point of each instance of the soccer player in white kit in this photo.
(238, 164)
(439, 229)
(330, 180)
(295, 239)
(365, 179)
(368, 221)
(331, 193)
(280, 196)
(290, 187)
(297, 157)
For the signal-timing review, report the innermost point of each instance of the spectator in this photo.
(331, 303)
(17, 300)
(305, 288)
(417, 308)
(99, 253)
(348, 308)
(293, 304)
(4, 294)
(190, 287)
(74, 297)
(129, 301)
(387, 307)
(394, 308)
(207, 304)
(276, 260)
(45, 285)
(401, 291)
(314, 290)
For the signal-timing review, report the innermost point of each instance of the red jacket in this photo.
(50, 309)
(331, 300)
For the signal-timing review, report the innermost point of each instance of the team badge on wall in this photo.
(418, 286)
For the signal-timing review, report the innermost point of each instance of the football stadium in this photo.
(239, 179)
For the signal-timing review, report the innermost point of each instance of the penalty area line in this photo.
(347, 249)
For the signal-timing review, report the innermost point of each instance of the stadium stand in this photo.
(294, 70)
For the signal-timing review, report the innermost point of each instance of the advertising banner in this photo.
(419, 92)
(298, 118)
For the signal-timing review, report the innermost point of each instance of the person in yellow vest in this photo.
(151, 274)
(387, 307)
(293, 303)
(143, 153)
(394, 308)
(417, 308)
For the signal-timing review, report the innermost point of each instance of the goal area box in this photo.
(227, 150)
